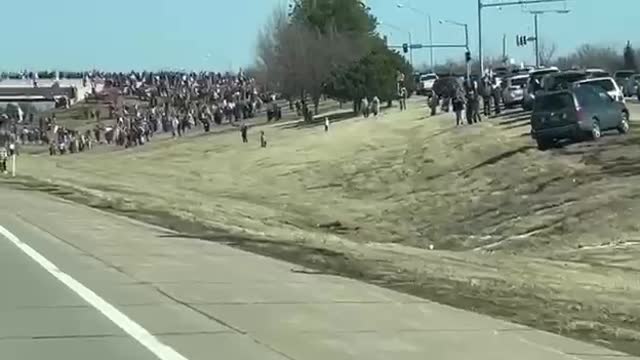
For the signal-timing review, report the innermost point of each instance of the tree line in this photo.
(585, 56)
(331, 48)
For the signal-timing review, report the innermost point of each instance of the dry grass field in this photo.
(471, 216)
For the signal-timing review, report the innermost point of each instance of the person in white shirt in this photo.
(3, 160)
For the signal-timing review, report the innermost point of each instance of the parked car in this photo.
(425, 83)
(582, 112)
(622, 77)
(607, 84)
(535, 85)
(597, 73)
(635, 84)
(513, 89)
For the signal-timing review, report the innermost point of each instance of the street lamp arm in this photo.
(540, 12)
(400, 5)
(517, 2)
(453, 22)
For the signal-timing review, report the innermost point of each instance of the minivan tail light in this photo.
(579, 113)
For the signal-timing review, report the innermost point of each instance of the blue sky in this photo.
(221, 34)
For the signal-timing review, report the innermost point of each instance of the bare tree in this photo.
(297, 59)
(546, 52)
(587, 56)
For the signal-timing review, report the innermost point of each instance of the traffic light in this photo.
(405, 48)
(521, 40)
(467, 56)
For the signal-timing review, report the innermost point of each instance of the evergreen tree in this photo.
(630, 58)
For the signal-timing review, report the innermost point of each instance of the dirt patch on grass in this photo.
(513, 229)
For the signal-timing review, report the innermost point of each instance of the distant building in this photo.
(44, 93)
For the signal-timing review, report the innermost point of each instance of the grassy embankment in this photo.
(545, 239)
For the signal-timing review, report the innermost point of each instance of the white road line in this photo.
(137, 332)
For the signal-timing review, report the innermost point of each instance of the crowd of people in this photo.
(163, 102)
(464, 98)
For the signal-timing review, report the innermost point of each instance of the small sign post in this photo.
(13, 164)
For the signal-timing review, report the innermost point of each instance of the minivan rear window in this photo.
(554, 102)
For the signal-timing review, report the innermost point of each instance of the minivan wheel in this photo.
(595, 130)
(623, 128)
(543, 144)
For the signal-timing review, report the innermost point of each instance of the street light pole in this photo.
(466, 38)
(480, 54)
(430, 42)
(535, 14)
(535, 26)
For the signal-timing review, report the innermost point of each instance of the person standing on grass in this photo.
(243, 133)
(403, 98)
(486, 95)
(175, 125)
(375, 106)
(3, 159)
(458, 106)
(364, 107)
(433, 103)
(496, 96)
(475, 104)
(326, 124)
(468, 94)
(263, 140)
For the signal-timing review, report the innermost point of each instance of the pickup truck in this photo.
(425, 84)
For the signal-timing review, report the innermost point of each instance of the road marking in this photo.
(133, 329)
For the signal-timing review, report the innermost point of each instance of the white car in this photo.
(425, 83)
(513, 89)
(608, 84)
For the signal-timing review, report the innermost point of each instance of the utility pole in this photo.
(535, 29)
(504, 48)
(481, 6)
(536, 35)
